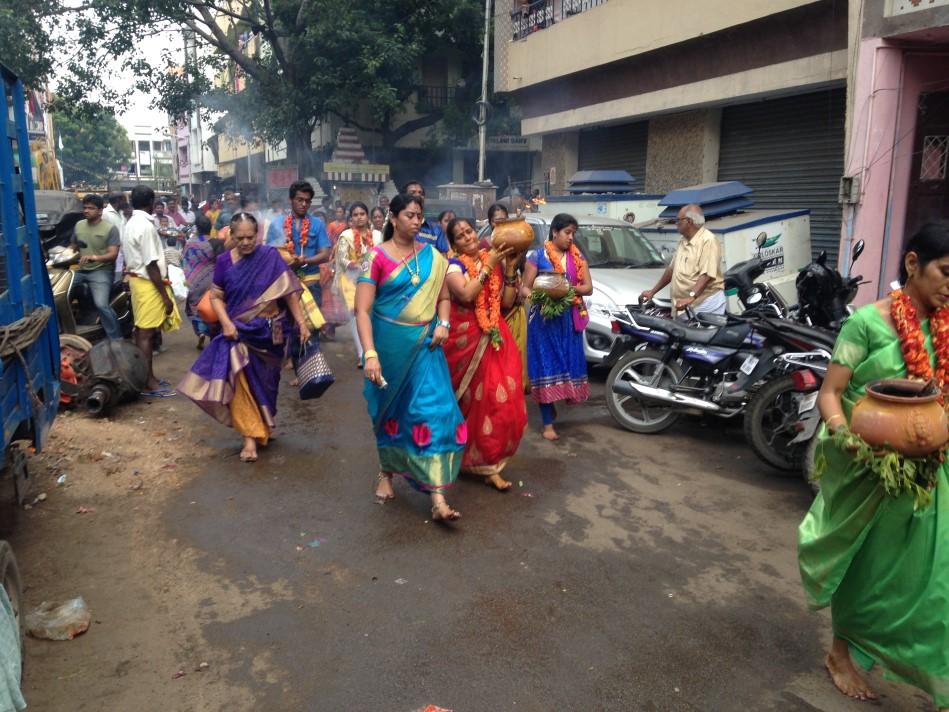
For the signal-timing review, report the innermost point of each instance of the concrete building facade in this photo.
(789, 96)
(701, 92)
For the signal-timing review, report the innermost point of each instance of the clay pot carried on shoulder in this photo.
(902, 414)
(513, 232)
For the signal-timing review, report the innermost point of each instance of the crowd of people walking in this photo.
(443, 323)
(451, 332)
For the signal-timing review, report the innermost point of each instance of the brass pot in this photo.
(901, 414)
(513, 232)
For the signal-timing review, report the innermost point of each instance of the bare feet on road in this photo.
(845, 676)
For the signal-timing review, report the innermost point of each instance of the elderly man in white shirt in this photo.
(153, 304)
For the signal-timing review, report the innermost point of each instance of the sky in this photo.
(139, 111)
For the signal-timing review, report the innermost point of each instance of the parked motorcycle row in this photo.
(766, 363)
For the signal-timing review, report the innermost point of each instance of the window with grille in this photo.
(935, 155)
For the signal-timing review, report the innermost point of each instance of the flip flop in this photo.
(164, 383)
(160, 393)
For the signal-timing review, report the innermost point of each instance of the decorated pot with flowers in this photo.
(515, 233)
(902, 414)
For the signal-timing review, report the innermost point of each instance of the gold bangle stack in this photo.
(371, 353)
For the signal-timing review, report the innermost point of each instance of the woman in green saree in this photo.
(880, 561)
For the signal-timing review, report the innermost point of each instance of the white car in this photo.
(623, 264)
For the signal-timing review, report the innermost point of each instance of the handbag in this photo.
(205, 310)
(312, 369)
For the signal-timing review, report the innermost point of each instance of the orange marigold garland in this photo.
(553, 254)
(488, 302)
(361, 241)
(304, 233)
(913, 341)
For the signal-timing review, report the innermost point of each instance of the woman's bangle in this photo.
(831, 418)
(370, 354)
(444, 322)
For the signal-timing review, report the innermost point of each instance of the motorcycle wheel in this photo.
(74, 346)
(807, 465)
(769, 424)
(635, 414)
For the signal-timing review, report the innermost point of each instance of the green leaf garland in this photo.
(898, 473)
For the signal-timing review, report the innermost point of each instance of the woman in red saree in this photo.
(483, 358)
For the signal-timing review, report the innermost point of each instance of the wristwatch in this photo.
(692, 294)
(442, 322)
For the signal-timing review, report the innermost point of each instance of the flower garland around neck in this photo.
(304, 233)
(913, 342)
(362, 241)
(553, 254)
(488, 301)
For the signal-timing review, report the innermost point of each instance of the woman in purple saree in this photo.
(236, 377)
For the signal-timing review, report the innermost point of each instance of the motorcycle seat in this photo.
(677, 329)
(825, 338)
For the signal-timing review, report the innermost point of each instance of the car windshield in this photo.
(606, 245)
(616, 246)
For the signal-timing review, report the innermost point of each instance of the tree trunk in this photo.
(300, 151)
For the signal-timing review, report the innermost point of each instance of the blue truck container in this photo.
(29, 347)
(29, 339)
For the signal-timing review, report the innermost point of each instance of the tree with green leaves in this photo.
(94, 147)
(24, 42)
(298, 62)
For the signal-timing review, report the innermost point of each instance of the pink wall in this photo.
(887, 83)
(922, 72)
(875, 110)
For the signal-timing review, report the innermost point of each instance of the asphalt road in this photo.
(622, 572)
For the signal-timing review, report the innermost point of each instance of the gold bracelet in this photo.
(835, 415)
(370, 354)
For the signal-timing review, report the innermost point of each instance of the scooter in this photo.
(75, 310)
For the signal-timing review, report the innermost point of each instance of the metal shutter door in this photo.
(790, 151)
(620, 147)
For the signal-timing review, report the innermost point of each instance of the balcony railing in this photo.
(528, 17)
(433, 98)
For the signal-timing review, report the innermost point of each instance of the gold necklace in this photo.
(415, 275)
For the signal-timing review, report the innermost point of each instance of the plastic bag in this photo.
(58, 621)
(176, 276)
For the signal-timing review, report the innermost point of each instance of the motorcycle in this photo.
(722, 365)
(782, 418)
(75, 311)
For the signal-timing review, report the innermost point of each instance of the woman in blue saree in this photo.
(236, 377)
(420, 432)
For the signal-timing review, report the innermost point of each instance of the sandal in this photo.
(444, 513)
(383, 498)
(498, 482)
